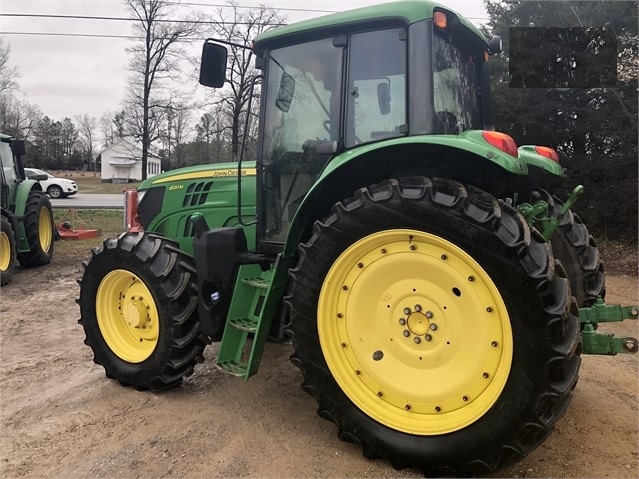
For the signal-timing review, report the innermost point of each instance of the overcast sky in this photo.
(72, 75)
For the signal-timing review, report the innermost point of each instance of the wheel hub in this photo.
(135, 313)
(418, 324)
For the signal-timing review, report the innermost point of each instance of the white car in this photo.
(53, 186)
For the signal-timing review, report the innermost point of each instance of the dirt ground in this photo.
(62, 418)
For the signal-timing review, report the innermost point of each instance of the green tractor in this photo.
(28, 231)
(435, 294)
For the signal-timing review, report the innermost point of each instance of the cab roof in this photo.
(407, 11)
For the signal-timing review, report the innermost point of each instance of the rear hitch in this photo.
(606, 343)
(538, 213)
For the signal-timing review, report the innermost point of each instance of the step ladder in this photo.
(248, 323)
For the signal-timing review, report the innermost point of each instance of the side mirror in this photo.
(285, 92)
(37, 177)
(495, 45)
(213, 65)
(383, 97)
(17, 147)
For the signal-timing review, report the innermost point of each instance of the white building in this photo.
(122, 162)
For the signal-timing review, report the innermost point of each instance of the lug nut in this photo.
(407, 311)
(418, 308)
(417, 340)
(428, 337)
(433, 326)
(402, 321)
(429, 314)
(634, 312)
(406, 333)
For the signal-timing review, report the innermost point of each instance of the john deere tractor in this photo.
(27, 233)
(437, 297)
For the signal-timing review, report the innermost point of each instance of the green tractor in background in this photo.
(28, 231)
(429, 284)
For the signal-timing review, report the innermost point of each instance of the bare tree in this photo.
(155, 58)
(86, 138)
(240, 26)
(8, 75)
(18, 117)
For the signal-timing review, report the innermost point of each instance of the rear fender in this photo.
(467, 158)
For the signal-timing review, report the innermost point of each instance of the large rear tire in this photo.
(577, 250)
(8, 257)
(39, 230)
(433, 327)
(138, 305)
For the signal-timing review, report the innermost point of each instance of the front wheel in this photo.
(55, 191)
(39, 230)
(8, 258)
(433, 327)
(138, 305)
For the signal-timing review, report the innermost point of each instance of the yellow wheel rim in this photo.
(45, 230)
(127, 316)
(5, 251)
(415, 332)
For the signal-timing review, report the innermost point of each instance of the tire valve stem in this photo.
(494, 344)
(485, 375)
(489, 309)
(444, 257)
(357, 372)
(465, 398)
(407, 407)
(343, 345)
(471, 278)
(438, 409)
(379, 394)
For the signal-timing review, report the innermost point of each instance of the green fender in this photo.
(470, 141)
(528, 154)
(23, 190)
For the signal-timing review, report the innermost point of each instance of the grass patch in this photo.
(91, 183)
(110, 222)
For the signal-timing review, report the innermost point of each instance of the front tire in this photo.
(39, 230)
(55, 191)
(138, 304)
(481, 388)
(8, 257)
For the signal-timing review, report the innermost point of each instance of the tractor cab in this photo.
(333, 87)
